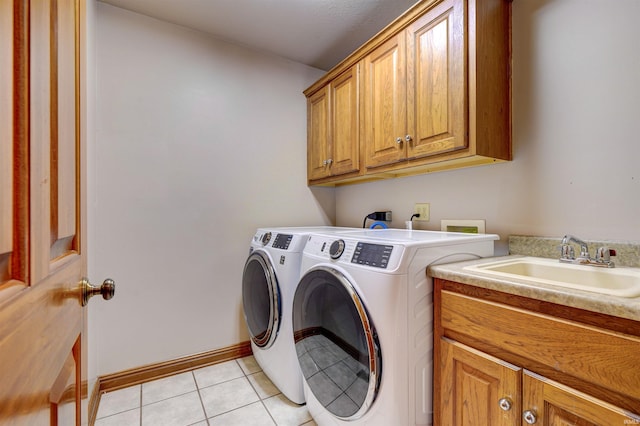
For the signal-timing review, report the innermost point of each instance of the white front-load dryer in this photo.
(363, 322)
(270, 276)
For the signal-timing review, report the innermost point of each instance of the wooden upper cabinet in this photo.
(345, 130)
(415, 90)
(436, 91)
(385, 103)
(318, 142)
(333, 128)
(436, 86)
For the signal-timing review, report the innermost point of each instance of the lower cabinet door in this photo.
(477, 388)
(549, 403)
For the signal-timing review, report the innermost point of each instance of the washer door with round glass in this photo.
(336, 343)
(261, 299)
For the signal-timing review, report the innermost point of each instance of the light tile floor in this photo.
(231, 393)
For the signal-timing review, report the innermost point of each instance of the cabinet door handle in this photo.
(399, 140)
(529, 417)
(505, 404)
(329, 161)
(408, 138)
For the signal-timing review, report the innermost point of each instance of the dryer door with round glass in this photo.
(336, 343)
(261, 299)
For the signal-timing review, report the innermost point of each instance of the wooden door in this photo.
(477, 389)
(345, 131)
(550, 403)
(318, 136)
(385, 107)
(42, 226)
(436, 81)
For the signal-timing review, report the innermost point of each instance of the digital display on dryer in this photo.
(375, 255)
(282, 241)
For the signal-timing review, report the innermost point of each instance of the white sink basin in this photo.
(622, 282)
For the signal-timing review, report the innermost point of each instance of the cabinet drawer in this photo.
(588, 353)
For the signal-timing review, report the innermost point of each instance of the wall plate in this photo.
(469, 226)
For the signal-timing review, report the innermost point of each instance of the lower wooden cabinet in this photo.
(546, 402)
(479, 389)
(507, 360)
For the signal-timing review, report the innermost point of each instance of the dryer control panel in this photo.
(348, 251)
(376, 255)
(282, 241)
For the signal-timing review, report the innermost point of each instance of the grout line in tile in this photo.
(170, 397)
(240, 367)
(268, 412)
(237, 408)
(262, 400)
(116, 414)
(206, 418)
(219, 383)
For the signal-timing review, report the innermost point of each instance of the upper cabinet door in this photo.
(436, 81)
(345, 129)
(385, 103)
(318, 137)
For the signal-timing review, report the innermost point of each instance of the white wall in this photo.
(198, 143)
(576, 135)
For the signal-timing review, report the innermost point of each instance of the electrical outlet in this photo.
(423, 210)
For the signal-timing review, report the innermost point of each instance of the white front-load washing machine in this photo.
(363, 322)
(271, 274)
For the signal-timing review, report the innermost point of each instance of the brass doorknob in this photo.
(107, 290)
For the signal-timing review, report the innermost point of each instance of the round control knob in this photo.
(336, 249)
(266, 238)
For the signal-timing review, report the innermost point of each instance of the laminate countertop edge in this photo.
(621, 307)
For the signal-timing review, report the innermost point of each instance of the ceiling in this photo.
(319, 33)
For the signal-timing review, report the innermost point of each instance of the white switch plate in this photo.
(423, 210)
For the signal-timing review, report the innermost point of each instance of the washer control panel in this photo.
(354, 252)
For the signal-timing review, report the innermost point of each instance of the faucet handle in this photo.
(603, 255)
(567, 252)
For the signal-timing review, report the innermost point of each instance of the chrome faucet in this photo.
(567, 253)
